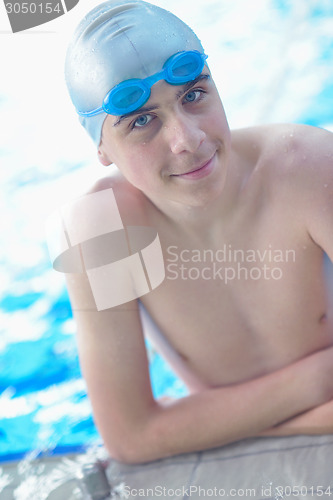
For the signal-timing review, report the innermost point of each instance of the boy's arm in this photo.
(314, 191)
(314, 150)
(319, 420)
(136, 428)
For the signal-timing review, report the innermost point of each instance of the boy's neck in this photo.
(206, 221)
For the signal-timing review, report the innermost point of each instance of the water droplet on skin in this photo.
(325, 185)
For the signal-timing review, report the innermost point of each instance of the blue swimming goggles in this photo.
(131, 94)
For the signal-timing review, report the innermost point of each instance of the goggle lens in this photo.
(186, 66)
(124, 98)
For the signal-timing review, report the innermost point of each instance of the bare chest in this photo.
(251, 305)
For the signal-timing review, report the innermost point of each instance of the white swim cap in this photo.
(116, 41)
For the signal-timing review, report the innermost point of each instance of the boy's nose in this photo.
(184, 134)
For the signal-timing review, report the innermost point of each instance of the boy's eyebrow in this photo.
(191, 84)
(147, 109)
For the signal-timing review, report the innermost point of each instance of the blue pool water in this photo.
(271, 62)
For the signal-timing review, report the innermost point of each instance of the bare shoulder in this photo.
(97, 231)
(302, 155)
(289, 153)
(295, 149)
(131, 202)
(115, 180)
(299, 163)
(293, 173)
(285, 139)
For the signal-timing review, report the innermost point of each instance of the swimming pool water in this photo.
(271, 62)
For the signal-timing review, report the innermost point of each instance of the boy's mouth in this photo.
(198, 171)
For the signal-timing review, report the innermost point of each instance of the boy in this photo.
(243, 218)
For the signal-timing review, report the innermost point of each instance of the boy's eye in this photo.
(141, 121)
(193, 95)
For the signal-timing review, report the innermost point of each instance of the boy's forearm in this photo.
(316, 421)
(219, 416)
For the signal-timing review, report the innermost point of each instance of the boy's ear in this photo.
(102, 153)
(103, 157)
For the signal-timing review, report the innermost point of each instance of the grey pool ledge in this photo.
(261, 468)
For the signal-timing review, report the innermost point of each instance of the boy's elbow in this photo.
(125, 455)
(135, 446)
(128, 451)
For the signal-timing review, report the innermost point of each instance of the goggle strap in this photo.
(88, 114)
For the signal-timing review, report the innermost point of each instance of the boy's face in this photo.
(176, 147)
